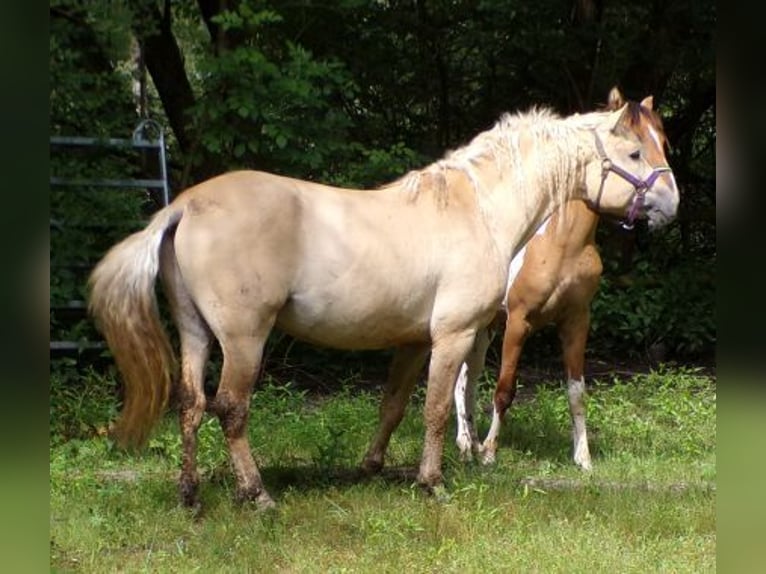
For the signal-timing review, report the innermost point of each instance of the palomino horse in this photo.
(552, 279)
(420, 264)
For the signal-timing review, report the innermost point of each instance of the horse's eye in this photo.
(636, 154)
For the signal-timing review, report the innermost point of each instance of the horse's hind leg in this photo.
(195, 341)
(241, 362)
(195, 350)
(402, 376)
(573, 333)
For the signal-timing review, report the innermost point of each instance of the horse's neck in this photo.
(518, 213)
(513, 219)
(585, 222)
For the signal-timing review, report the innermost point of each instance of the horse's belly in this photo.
(352, 326)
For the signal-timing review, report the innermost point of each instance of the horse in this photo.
(551, 280)
(419, 264)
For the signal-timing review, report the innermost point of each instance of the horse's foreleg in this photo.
(517, 329)
(447, 356)
(467, 438)
(402, 376)
(574, 336)
(241, 362)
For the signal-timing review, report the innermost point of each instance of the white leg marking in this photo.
(576, 392)
(464, 422)
(489, 446)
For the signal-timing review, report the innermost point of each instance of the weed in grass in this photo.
(82, 403)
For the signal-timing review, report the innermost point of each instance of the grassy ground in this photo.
(648, 506)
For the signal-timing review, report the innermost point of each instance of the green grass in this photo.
(648, 506)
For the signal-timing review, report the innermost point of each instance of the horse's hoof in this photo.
(188, 494)
(488, 458)
(264, 502)
(370, 467)
(430, 480)
(258, 498)
(466, 456)
(194, 510)
(439, 492)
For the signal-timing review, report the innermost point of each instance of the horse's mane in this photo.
(552, 158)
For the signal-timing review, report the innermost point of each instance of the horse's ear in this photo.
(648, 102)
(616, 117)
(615, 100)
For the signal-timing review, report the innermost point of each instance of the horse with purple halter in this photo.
(552, 280)
(420, 264)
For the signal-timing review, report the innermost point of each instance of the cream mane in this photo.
(551, 157)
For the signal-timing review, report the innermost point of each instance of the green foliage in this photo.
(272, 108)
(675, 309)
(376, 166)
(90, 96)
(82, 403)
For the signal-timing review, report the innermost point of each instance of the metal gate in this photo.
(148, 136)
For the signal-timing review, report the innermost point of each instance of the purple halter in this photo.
(641, 186)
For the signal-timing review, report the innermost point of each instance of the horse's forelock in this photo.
(636, 114)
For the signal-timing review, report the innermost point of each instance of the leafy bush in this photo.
(271, 106)
(675, 311)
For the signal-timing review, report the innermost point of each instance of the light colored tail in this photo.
(124, 305)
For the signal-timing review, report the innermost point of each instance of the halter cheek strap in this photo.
(640, 186)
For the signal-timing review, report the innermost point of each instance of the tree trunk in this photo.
(221, 39)
(166, 66)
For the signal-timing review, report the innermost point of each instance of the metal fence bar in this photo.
(103, 142)
(157, 183)
(76, 345)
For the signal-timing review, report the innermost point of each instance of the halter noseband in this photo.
(641, 186)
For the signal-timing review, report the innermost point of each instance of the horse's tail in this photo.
(124, 305)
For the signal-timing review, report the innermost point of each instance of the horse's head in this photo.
(630, 176)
